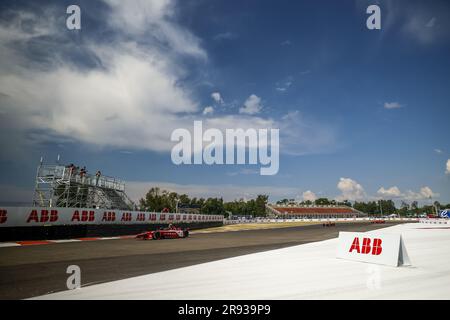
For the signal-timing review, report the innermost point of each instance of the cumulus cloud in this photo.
(351, 190)
(309, 196)
(154, 19)
(447, 169)
(126, 92)
(252, 105)
(392, 105)
(217, 97)
(392, 192)
(208, 110)
(423, 194)
(137, 86)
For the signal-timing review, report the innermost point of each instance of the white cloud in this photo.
(424, 194)
(439, 151)
(132, 98)
(447, 170)
(137, 87)
(392, 192)
(427, 24)
(217, 97)
(252, 105)
(351, 190)
(431, 23)
(208, 110)
(153, 19)
(309, 195)
(392, 105)
(225, 36)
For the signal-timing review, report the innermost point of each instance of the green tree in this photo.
(322, 202)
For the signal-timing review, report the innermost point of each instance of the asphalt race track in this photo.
(36, 270)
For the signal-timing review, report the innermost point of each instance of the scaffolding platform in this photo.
(59, 186)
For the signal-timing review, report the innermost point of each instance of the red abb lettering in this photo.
(3, 216)
(162, 217)
(85, 216)
(53, 215)
(76, 216)
(376, 248)
(366, 247)
(140, 217)
(152, 217)
(109, 216)
(33, 216)
(44, 216)
(126, 216)
(355, 245)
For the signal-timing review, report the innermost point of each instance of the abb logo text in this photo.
(109, 216)
(368, 246)
(85, 216)
(45, 216)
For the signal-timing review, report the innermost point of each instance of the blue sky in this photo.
(363, 114)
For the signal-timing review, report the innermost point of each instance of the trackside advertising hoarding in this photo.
(35, 216)
(378, 248)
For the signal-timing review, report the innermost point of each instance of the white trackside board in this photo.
(378, 248)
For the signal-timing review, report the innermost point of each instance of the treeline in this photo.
(385, 207)
(158, 200)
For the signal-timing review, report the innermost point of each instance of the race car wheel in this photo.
(156, 236)
(185, 234)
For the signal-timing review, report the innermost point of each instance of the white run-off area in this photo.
(308, 271)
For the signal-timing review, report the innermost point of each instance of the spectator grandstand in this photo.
(310, 212)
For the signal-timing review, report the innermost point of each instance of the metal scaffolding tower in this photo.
(60, 186)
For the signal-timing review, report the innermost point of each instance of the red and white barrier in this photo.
(35, 216)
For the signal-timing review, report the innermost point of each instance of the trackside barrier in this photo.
(378, 248)
(37, 216)
(316, 220)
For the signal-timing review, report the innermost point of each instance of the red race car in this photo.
(167, 233)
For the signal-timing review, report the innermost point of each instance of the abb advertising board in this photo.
(35, 216)
(378, 248)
